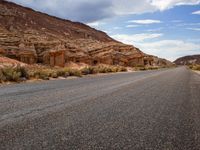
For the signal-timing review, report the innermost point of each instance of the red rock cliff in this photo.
(23, 29)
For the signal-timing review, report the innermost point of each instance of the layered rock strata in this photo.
(34, 37)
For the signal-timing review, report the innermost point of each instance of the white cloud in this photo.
(132, 26)
(147, 21)
(196, 12)
(170, 49)
(131, 39)
(122, 7)
(167, 4)
(194, 29)
(96, 24)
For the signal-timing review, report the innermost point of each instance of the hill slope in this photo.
(188, 60)
(35, 37)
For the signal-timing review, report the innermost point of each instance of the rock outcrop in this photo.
(162, 62)
(34, 37)
(188, 60)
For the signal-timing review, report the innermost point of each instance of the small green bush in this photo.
(122, 69)
(88, 70)
(61, 72)
(152, 68)
(142, 69)
(24, 72)
(102, 69)
(2, 76)
(54, 74)
(74, 72)
(45, 74)
(10, 74)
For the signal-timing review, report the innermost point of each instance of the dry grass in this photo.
(102, 69)
(143, 68)
(19, 73)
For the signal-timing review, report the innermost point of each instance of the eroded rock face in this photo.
(34, 37)
(57, 58)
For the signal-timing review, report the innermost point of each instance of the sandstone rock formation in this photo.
(34, 37)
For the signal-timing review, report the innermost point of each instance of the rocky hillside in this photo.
(188, 60)
(35, 37)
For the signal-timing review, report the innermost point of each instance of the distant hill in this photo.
(188, 60)
(34, 37)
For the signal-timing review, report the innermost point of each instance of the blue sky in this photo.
(166, 28)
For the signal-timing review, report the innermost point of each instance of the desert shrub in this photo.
(198, 67)
(102, 69)
(114, 69)
(108, 69)
(2, 76)
(40, 73)
(54, 74)
(142, 68)
(33, 73)
(10, 74)
(122, 69)
(86, 70)
(45, 74)
(74, 72)
(146, 68)
(137, 68)
(61, 72)
(195, 67)
(89, 70)
(152, 68)
(24, 72)
(190, 66)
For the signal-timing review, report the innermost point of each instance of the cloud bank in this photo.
(93, 10)
(147, 21)
(170, 49)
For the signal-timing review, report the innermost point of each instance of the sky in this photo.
(165, 28)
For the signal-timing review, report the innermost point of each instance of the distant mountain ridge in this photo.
(188, 60)
(34, 37)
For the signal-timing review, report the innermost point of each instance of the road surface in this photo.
(152, 110)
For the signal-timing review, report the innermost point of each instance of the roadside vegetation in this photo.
(143, 68)
(12, 74)
(24, 73)
(20, 74)
(195, 67)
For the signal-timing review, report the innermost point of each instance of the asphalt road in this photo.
(152, 110)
